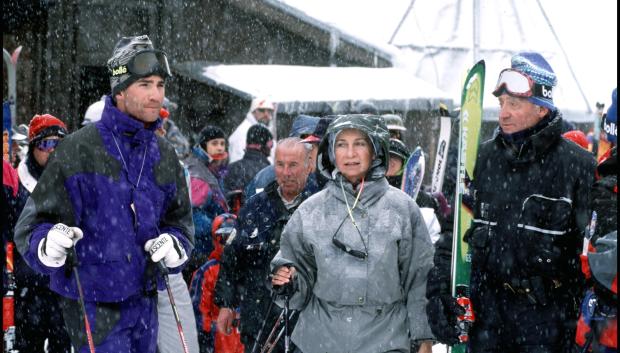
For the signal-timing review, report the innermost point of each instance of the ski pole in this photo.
(164, 271)
(262, 327)
(287, 337)
(269, 342)
(89, 334)
(273, 345)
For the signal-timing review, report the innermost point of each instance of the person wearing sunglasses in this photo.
(36, 302)
(531, 190)
(112, 212)
(262, 110)
(356, 254)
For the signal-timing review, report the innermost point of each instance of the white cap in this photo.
(94, 112)
(262, 103)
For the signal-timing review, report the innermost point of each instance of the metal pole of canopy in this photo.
(570, 67)
(476, 18)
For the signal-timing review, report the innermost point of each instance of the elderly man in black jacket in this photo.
(531, 191)
(244, 275)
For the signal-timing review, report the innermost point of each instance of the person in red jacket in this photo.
(202, 288)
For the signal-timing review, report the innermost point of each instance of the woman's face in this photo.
(216, 146)
(353, 153)
(395, 165)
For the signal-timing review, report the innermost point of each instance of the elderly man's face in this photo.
(517, 114)
(292, 168)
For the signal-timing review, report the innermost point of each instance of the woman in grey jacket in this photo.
(357, 253)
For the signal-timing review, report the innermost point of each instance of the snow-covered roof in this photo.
(304, 88)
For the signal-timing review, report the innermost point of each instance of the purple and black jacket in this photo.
(87, 185)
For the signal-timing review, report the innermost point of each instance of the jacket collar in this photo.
(534, 146)
(373, 190)
(125, 126)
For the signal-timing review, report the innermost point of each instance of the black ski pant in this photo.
(38, 318)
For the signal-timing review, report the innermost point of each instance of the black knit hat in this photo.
(209, 133)
(258, 134)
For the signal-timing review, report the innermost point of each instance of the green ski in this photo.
(470, 122)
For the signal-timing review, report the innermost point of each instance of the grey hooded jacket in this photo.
(348, 304)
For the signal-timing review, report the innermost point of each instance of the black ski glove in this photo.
(442, 311)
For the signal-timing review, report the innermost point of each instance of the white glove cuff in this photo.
(48, 260)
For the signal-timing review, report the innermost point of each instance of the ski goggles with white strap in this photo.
(518, 84)
(144, 63)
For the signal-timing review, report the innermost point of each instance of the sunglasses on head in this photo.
(518, 84)
(47, 145)
(145, 63)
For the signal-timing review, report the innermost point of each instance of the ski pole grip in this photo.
(162, 267)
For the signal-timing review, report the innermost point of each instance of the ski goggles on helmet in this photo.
(144, 63)
(47, 145)
(518, 84)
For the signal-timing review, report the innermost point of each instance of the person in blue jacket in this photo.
(111, 203)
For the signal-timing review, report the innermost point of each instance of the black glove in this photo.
(442, 311)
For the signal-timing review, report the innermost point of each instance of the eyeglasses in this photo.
(47, 145)
(340, 245)
(519, 84)
(144, 63)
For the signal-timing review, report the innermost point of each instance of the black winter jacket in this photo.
(242, 171)
(530, 209)
(244, 274)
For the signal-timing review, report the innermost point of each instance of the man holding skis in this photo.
(112, 202)
(530, 190)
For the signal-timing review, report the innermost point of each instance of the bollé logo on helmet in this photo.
(121, 70)
(547, 92)
(610, 128)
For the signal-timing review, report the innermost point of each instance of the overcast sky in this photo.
(586, 29)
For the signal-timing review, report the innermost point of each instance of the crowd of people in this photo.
(132, 237)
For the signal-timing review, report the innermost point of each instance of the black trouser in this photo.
(38, 318)
(510, 322)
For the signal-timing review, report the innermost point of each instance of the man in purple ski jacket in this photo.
(113, 201)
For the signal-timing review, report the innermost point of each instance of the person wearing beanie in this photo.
(262, 110)
(531, 207)
(578, 137)
(259, 142)
(113, 200)
(36, 302)
(44, 134)
(207, 166)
